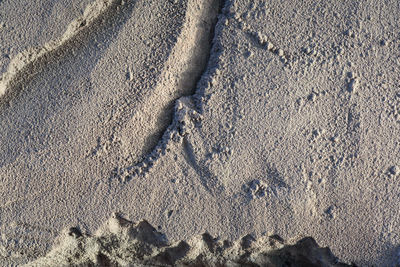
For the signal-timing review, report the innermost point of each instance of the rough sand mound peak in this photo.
(119, 242)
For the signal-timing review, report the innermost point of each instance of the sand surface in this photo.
(120, 242)
(229, 117)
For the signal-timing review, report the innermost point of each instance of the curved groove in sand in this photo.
(20, 65)
(182, 71)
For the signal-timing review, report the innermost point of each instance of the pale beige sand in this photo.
(120, 242)
(287, 123)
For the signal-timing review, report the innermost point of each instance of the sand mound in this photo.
(120, 242)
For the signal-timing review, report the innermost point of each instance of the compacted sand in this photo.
(275, 119)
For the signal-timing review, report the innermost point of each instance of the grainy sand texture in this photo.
(272, 125)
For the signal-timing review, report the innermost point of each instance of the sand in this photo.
(120, 242)
(226, 117)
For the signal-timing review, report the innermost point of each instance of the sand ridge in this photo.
(120, 242)
(21, 65)
(178, 81)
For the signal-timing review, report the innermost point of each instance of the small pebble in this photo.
(269, 46)
(330, 212)
(350, 33)
(308, 50)
(311, 97)
(248, 54)
(350, 75)
(394, 170)
(352, 85)
(226, 22)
